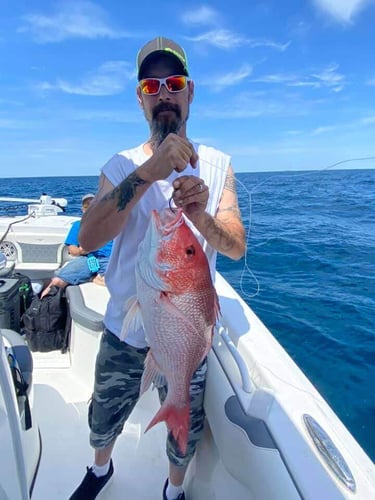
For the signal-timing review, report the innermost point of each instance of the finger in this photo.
(188, 148)
(194, 157)
(196, 188)
(182, 181)
(198, 195)
(186, 187)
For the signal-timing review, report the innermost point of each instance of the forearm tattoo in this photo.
(225, 238)
(233, 209)
(230, 183)
(125, 191)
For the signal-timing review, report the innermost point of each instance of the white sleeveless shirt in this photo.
(120, 275)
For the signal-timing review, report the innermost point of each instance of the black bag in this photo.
(45, 323)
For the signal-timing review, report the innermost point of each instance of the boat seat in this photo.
(38, 261)
(87, 304)
(83, 309)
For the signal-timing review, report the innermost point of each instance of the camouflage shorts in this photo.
(118, 373)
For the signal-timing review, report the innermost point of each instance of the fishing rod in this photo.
(43, 200)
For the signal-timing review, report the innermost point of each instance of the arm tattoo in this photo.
(225, 237)
(230, 183)
(234, 209)
(125, 191)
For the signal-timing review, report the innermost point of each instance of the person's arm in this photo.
(72, 242)
(109, 210)
(224, 231)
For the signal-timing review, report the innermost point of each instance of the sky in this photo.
(279, 85)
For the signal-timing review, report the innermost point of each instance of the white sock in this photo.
(101, 470)
(172, 491)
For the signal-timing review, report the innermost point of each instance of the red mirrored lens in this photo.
(176, 83)
(150, 86)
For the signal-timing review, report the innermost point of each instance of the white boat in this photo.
(269, 434)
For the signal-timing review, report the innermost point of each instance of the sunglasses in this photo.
(152, 86)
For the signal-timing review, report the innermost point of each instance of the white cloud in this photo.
(204, 15)
(330, 78)
(355, 124)
(226, 39)
(109, 79)
(276, 78)
(81, 19)
(269, 43)
(219, 36)
(253, 105)
(326, 78)
(342, 10)
(219, 82)
(324, 129)
(223, 39)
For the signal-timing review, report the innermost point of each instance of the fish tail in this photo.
(177, 420)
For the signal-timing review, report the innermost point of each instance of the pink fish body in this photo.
(177, 305)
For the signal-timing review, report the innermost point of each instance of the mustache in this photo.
(166, 106)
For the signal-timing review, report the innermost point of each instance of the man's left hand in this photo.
(191, 195)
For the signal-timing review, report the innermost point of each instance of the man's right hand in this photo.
(174, 153)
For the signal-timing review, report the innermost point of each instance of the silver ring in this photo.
(200, 187)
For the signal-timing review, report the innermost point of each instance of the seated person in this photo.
(85, 266)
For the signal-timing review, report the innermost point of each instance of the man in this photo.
(133, 183)
(85, 266)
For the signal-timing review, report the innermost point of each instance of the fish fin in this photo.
(151, 374)
(177, 420)
(133, 318)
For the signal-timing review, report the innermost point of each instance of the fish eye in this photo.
(190, 250)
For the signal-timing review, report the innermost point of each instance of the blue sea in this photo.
(309, 273)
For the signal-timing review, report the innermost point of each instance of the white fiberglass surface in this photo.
(61, 410)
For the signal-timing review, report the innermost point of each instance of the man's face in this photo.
(165, 112)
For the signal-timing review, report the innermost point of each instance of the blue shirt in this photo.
(72, 239)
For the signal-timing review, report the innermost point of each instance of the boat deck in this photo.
(61, 409)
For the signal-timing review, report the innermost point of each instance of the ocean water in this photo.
(309, 273)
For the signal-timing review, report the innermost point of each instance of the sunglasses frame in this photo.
(163, 81)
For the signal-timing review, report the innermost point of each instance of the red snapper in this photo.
(177, 305)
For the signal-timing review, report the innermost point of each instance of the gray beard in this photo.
(161, 128)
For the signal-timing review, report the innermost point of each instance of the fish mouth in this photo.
(167, 221)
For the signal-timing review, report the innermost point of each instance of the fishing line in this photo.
(246, 267)
(15, 222)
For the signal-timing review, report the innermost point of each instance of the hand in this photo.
(191, 195)
(174, 153)
(74, 250)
